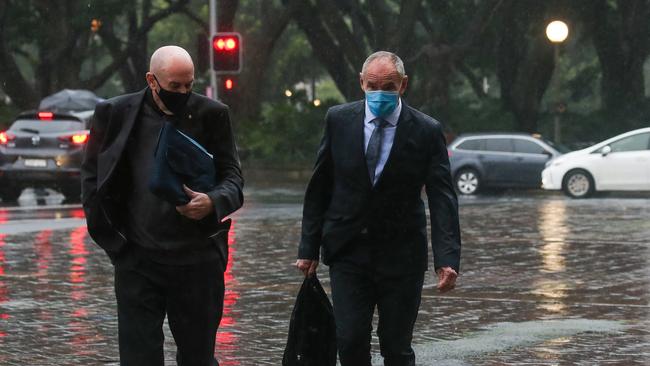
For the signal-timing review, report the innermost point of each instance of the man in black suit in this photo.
(363, 210)
(168, 260)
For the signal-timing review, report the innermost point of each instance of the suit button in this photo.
(364, 230)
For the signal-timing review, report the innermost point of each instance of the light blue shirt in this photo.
(389, 135)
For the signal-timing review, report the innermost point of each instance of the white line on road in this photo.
(28, 226)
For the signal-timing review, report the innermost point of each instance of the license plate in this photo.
(36, 163)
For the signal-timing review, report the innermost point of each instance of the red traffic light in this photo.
(227, 53)
(229, 84)
(225, 44)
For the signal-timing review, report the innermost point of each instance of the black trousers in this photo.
(191, 296)
(357, 288)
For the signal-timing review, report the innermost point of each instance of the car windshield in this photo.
(46, 126)
(559, 147)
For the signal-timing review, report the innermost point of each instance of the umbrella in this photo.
(71, 100)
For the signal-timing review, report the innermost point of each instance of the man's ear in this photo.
(361, 82)
(405, 82)
(151, 81)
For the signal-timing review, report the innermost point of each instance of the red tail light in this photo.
(76, 139)
(79, 139)
(6, 137)
(45, 116)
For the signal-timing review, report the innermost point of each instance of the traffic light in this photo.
(95, 24)
(228, 84)
(227, 53)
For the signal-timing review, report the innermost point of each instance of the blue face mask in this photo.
(382, 103)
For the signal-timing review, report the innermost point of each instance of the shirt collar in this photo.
(392, 118)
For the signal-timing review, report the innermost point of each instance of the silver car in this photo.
(499, 160)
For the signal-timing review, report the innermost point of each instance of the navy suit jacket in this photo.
(340, 202)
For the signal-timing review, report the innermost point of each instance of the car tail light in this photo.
(449, 153)
(6, 137)
(45, 116)
(76, 139)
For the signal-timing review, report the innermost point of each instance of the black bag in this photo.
(312, 332)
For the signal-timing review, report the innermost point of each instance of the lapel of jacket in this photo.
(190, 123)
(116, 150)
(357, 145)
(402, 133)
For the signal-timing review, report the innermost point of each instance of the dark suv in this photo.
(43, 149)
(499, 160)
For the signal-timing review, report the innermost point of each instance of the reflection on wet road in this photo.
(545, 281)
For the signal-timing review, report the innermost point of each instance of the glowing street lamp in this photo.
(557, 31)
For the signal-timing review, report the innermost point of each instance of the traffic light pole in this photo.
(213, 32)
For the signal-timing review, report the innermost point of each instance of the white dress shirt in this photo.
(389, 135)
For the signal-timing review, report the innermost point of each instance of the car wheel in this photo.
(11, 194)
(467, 181)
(578, 184)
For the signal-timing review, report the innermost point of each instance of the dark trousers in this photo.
(357, 288)
(190, 295)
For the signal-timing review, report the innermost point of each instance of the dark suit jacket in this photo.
(340, 201)
(105, 176)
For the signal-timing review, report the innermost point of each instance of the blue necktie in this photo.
(374, 147)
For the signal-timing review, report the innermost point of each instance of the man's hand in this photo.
(446, 279)
(307, 266)
(200, 205)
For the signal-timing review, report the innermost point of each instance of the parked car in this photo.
(621, 163)
(499, 160)
(43, 150)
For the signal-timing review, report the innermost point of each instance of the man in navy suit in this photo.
(364, 213)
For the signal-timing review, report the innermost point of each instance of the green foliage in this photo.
(486, 115)
(287, 134)
(579, 129)
(7, 114)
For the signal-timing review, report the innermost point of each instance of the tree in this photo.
(621, 34)
(46, 46)
(343, 33)
(524, 60)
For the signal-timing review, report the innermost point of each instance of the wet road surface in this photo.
(545, 281)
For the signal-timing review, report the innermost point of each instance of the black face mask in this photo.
(174, 101)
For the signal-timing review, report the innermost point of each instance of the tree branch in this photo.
(196, 19)
(473, 80)
(13, 82)
(122, 56)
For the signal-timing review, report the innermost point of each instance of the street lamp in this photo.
(557, 32)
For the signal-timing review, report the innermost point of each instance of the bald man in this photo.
(168, 260)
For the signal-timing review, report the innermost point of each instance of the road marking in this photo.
(567, 303)
(28, 226)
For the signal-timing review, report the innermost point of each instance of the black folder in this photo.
(178, 161)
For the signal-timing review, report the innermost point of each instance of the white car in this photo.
(621, 163)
